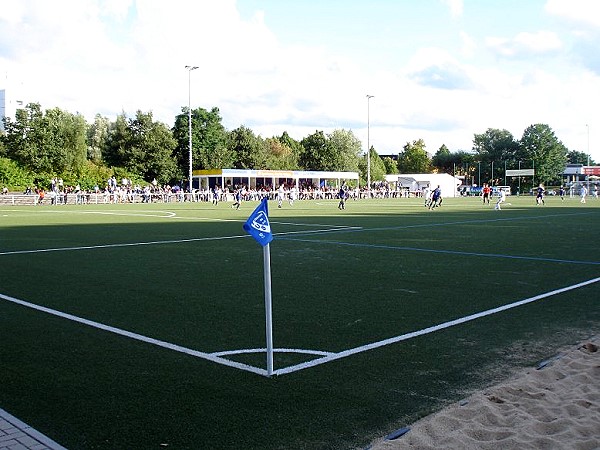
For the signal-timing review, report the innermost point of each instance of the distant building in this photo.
(8, 106)
(272, 178)
(578, 173)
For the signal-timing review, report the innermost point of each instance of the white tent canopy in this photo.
(416, 183)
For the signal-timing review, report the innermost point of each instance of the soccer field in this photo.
(143, 326)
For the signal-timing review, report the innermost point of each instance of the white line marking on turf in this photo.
(295, 224)
(450, 252)
(160, 214)
(143, 213)
(130, 244)
(327, 356)
(275, 350)
(431, 329)
(136, 244)
(461, 222)
(138, 337)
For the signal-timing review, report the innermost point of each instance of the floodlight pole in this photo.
(369, 97)
(588, 157)
(189, 69)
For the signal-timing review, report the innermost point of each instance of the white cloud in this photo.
(525, 44)
(585, 12)
(117, 9)
(456, 7)
(12, 12)
(469, 45)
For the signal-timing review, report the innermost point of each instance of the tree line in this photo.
(39, 145)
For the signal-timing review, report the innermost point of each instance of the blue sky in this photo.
(440, 70)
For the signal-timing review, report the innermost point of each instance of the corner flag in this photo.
(259, 228)
(258, 225)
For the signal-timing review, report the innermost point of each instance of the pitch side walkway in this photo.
(16, 435)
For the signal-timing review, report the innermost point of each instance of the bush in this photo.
(17, 178)
(13, 176)
(90, 175)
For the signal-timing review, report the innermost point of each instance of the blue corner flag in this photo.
(258, 225)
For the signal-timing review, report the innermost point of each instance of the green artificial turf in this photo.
(188, 274)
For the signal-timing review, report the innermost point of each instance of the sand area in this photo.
(555, 405)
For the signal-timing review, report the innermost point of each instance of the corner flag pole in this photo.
(259, 228)
(268, 308)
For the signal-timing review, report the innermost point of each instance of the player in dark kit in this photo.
(540, 195)
(436, 198)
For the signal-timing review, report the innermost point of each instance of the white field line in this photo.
(328, 356)
(329, 230)
(431, 329)
(275, 350)
(138, 337)
(163, 214)
(152, 213)
(137, 244)
(464, 222)
(449, 252)
(126, 244)
(173, 215)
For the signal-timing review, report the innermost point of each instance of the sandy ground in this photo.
(553, 406)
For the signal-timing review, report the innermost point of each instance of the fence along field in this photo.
(343, 284)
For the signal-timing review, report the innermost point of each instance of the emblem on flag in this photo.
(258, 225)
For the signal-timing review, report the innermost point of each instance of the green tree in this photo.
(117, 141)
(378, 169)
(143, 147)
(576, 157)
(337, 151)
(280, 155)
(314, 151)
(548, 154)
(414, 158)
(50, 142)
(292, 143)
(391, 166)
(443, 160)
(465, 166)
(250, 150)
(210, 146)
(67, 151)
(2, 146)
(97, 136)
(344, 151)
(497, 147)
(25, 138)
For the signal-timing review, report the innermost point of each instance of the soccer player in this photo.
(501, 198)
(238, 199)
(292, 196)
(280, 195)
(485, 192)
(436, 198)
(540, 195)
(427, 195)
(342, 196)
(216, 195)
(583, 193)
